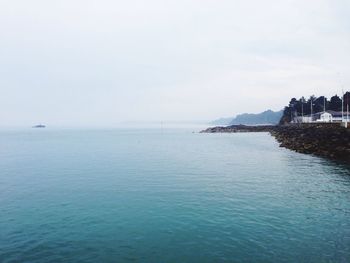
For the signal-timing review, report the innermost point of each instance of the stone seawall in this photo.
(239, 128)
(326, 140)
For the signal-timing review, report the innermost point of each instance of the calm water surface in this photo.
(171, 196)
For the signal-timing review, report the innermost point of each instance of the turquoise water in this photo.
(171, 196)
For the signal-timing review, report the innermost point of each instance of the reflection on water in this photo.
(168, 196)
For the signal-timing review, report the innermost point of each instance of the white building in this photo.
(325, 117)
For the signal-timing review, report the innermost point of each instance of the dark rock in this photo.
(328, 140)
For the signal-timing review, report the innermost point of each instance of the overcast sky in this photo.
(102, 62)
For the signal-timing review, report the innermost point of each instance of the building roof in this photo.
(333, 113)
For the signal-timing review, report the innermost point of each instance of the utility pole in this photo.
(302, 111)
(302, 100)
(342, 107)
(311, 108)
(347, 109)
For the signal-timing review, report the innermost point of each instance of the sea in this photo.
(167, 195)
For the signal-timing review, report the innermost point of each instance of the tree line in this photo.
(303, 107)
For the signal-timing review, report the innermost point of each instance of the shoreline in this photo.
(239, 128)
(328, 140)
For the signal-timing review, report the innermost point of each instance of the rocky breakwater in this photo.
(325, 140)
(239, 128)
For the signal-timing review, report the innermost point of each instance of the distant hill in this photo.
(266, 117)
(222, 121)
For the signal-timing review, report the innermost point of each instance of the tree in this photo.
(347, 97)
(335, 103)
(302, 106)
(308, 105)
(286, 116)
(346, 101)
(319, 104)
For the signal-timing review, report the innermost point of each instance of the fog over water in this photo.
(104, 63)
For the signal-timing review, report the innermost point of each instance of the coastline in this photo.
(239, 128)
(328, 140)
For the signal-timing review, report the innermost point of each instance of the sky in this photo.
(106, 62)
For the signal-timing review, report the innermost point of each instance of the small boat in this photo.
(39, 126)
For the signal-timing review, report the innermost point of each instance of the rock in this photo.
(328, 140)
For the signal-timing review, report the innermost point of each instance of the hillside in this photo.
(266, 117)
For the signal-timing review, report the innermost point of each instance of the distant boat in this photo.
(39, 126)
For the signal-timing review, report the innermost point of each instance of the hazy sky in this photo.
(102, 62)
